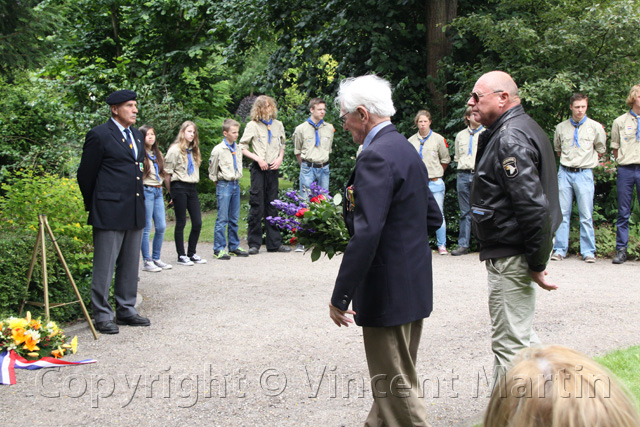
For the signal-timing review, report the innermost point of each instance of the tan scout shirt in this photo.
(176, 164)
(434, 153)
(221, 163)
(592, 140)
(257, 135)
(465, 160)
(623, 138)
(304, 140)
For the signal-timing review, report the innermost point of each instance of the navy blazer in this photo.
(386, 268)
(110, 178)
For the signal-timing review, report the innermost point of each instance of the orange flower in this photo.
(35, 324)
(18, 335)
(30, 343)
(57, 353)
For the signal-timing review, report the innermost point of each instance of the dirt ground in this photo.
(249, 342)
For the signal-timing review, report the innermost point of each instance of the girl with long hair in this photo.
(182, 174)
(152, 179)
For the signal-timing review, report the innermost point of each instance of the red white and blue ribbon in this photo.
(9, 361)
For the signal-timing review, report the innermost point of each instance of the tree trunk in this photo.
(114, 25)
(438, 14)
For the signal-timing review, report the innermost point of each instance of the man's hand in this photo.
(339, 317)
(538, 277)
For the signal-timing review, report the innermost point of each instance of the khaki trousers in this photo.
(512, 304)
(391, 356)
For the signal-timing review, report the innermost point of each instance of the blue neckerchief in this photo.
(422, 141)
(373, 132)
(233, 153)
(268, 123)
(472, 132)
(575, 132)
(190, 167)
(155, 164)
(316, 126)
(637, 124)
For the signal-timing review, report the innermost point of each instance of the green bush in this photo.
(26, 195)
(16, 250)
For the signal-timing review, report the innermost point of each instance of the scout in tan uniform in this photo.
(266, 138)
(181, 165)
(434, 152)
(312, 146)
(579, 143)
(466, 147)
(225, 169)
(625, 142)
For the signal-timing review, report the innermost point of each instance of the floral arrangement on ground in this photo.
(32, 339)
(315, 220)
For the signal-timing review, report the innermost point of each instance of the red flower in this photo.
(301, 212)
(314, 200)
(321, 197)
(294, 230)
(294, 240)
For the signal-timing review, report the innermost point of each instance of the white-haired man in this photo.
(386, 268)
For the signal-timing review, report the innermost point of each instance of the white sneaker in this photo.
(150, 266)
(299, 248)
(184, 260)
(195, 258)
(163, 265)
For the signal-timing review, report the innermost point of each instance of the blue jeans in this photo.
(437, 188)
(463, 185)
(308, 175)
(628, 176)
(580, 184)
(228, 194)
(154, 211)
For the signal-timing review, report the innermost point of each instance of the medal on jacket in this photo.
(350, 199)
(141, 166)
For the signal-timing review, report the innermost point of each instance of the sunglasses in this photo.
(476, 96)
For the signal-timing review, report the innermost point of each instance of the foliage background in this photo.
(205, 60)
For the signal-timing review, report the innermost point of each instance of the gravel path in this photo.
(248, 342)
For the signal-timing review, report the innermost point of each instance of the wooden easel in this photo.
(40, 240)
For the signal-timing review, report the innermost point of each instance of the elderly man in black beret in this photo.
(110, 179)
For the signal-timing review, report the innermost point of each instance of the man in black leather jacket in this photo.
(514, 211)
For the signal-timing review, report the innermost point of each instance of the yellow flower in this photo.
(18, 335)
(74, 344)
(17, 323)
(28, 318)
(33, 354)
(58, 353)
(1, 325)
(77, 224)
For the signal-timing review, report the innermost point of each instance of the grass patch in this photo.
(625, 364)
(209, 218)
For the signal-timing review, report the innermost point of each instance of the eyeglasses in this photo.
(343, 118)
(476, 96)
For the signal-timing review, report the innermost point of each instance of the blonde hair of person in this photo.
(556, 386)
(264, 108)
(420, 114)
(183, 144)
(631, 99)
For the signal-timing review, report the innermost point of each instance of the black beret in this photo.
(120, 96)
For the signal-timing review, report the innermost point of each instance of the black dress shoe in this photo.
(280, 249)
(135, 320)
(107, 327)
(254, 251)
(621, 256)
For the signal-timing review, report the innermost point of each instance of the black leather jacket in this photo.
(514, 194)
